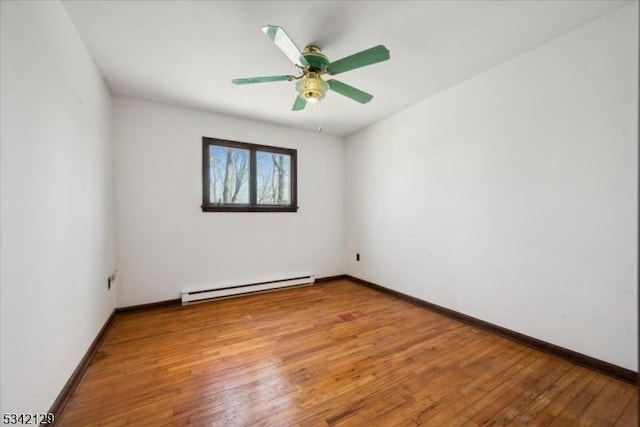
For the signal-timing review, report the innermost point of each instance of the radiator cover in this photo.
(191, 297)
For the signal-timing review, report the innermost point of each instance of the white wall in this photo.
(513, 196)
(166, 244)
(56, 214)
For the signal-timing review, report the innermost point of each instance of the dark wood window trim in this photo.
(252, 206)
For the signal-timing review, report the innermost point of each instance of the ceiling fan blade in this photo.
(266, 79)
(299, 104)
(283, 41)
(361, 59)
(349, 91)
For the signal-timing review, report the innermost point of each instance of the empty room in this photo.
(319, 213)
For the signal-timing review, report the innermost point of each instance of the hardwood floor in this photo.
(289, 358)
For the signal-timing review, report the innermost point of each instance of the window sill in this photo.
(244, 208)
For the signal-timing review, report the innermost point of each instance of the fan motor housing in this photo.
(317, 60)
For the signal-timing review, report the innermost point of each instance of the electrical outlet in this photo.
(357, 257)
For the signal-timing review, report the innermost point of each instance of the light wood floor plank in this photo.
(288, 358)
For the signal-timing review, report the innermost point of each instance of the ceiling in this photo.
(186, 52)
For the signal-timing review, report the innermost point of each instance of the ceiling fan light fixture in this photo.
(312, 88)
(312, 97)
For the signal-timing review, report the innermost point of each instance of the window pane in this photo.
(273, 178)
(229, 175)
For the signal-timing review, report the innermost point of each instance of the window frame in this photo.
(252, 206)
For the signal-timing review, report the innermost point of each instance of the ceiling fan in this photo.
(312, 64)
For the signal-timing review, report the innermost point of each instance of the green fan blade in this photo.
(360, 59)
(250, 80)
(284, 43)
(349, 91)
(299, 104)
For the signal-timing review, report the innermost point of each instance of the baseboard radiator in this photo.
(191, 297)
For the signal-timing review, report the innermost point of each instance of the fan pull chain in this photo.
(319, 116)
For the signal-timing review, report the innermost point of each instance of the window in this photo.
(242, 177)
